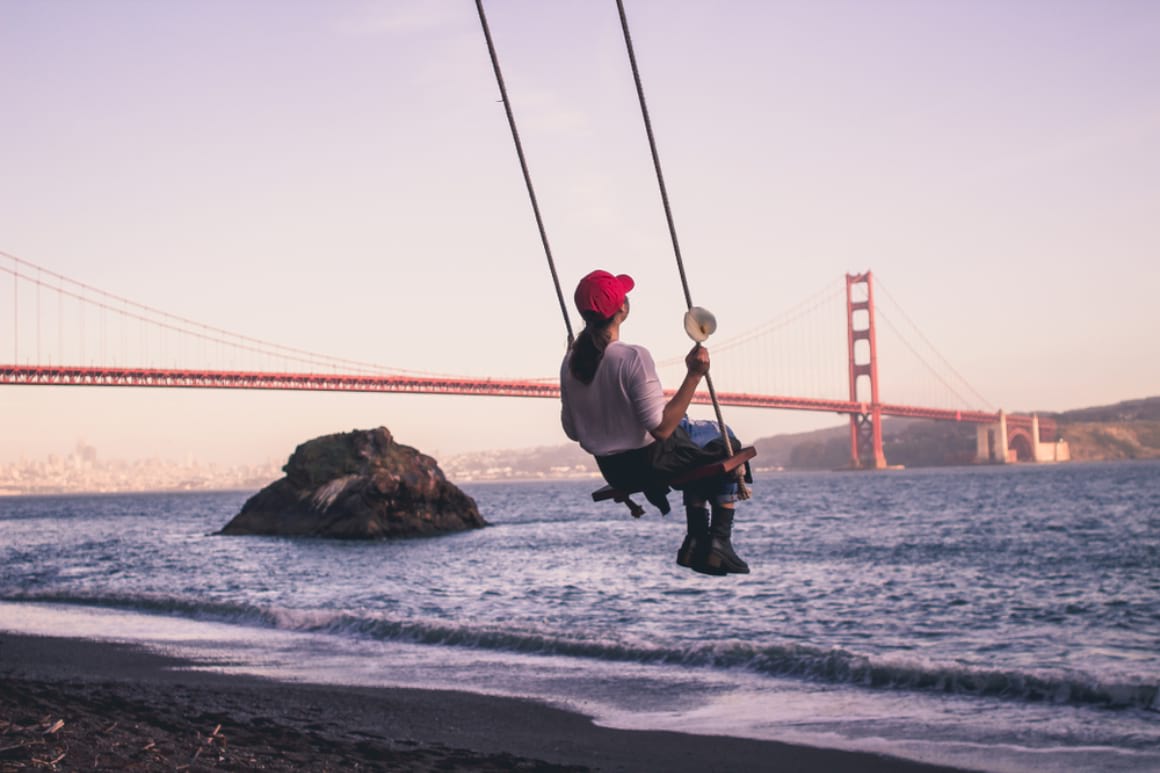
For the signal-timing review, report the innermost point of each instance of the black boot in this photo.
(694, 551)
(721, 556)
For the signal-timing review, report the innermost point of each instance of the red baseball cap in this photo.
(602, 292)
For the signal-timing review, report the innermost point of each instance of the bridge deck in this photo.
(49, 375)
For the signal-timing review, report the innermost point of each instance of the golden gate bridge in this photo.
(60, 326)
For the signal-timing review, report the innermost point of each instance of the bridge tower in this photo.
(865, 424)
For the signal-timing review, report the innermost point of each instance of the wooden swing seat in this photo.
(721, 467)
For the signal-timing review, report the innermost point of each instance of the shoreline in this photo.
(112, 706)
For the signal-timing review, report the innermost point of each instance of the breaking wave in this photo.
(787, 660)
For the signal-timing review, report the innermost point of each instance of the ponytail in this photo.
(588, 350)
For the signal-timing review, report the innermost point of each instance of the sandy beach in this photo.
(71, 704)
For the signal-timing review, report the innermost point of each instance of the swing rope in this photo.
(524, 166)
(742, 489)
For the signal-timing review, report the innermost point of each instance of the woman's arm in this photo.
(697, 365)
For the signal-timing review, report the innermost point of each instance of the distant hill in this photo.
(1144, 409)
(908, 442)
(1126, 430)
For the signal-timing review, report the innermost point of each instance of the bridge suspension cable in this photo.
(978, 399)
(811, 304)
(812, 328)
(798, 351)
(126, 308)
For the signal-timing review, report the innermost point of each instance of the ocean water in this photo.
(996, 618)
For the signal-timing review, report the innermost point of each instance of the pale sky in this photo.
(340, 177)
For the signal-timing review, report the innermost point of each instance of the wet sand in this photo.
(72, 704)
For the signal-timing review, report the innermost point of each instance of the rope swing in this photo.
(699, 323)
(742, 489)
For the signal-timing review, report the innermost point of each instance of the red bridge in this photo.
(1001, 437)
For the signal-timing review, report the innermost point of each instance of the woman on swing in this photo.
(613, 405)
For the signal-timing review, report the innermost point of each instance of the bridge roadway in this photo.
(49, 375)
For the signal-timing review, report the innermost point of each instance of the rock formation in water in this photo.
(358, 485)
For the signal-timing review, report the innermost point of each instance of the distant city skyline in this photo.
(82, 470)
(340, 178)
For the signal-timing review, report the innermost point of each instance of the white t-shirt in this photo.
(616, 411)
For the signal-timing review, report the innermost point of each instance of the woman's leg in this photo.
(694, 551)
(721, 556)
